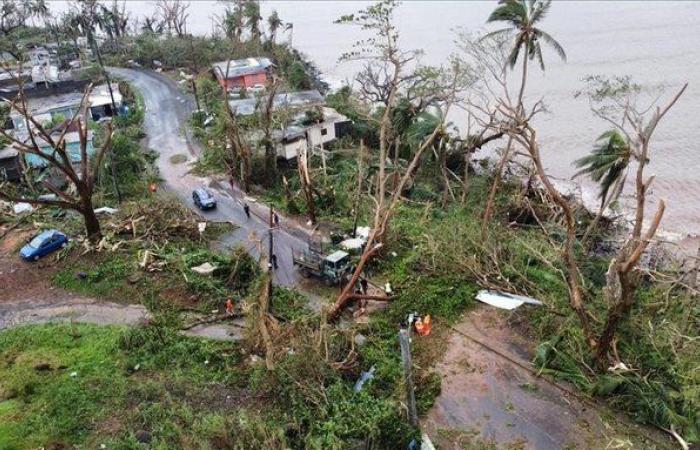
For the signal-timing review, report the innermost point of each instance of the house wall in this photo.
(316, 134)
(289, 150)
(10, 169)
(246, 81)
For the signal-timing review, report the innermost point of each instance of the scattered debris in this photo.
(362, 233)
(360, 339)
(148, 262)
(106, 210)
(48, 197)
(619, 367)
(504, 300)
(364, 377)
(21, 208)
(352, 244)
(73, 374)
(204, 269)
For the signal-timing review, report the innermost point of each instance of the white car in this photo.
(256, 88)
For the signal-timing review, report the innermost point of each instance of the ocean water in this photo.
(658, 43)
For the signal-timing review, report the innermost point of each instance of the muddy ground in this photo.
(495, 398)
(28, 297)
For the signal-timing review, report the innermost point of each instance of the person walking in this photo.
(364, 284)
(276, 219)
(274, 261)
(246, 208)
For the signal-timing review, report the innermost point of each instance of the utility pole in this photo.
(271, 252)
(195, 71)
(405, 343)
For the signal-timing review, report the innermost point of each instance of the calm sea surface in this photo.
(656, 42)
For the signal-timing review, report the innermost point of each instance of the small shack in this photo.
(10, 168)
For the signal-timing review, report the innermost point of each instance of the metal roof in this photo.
(240, 67)
(336, 256)
(99, 96)
(301, 99)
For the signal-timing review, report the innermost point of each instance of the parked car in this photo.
(203, 199)
(257, 89)
(43, 244)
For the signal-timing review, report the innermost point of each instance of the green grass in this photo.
(124, 381)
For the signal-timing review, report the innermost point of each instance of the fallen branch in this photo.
(217, 318)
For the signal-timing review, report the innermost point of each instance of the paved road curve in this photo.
(166, 121)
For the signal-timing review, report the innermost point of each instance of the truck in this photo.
(332, 269)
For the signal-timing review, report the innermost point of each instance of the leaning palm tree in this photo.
(606, 165)
(274, 23)
(251, 12)
(523, 17)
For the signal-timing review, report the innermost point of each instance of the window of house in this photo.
(324, 131)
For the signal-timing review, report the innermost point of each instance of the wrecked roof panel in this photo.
(301, 99)
(240, 67)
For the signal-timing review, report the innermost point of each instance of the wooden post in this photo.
(405, 343)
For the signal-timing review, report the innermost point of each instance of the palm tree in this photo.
(606, 165)
(273, 24)
(251, 12)
(523, 17)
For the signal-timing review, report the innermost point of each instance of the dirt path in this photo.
(487, 397)
(70, 309)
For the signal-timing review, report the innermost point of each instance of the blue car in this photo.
(43, 244)
(203, 199)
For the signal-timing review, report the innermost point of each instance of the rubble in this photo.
(204, 269)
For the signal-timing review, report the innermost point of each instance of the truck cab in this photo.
(336, 265)
(331, 268)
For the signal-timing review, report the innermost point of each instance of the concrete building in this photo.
(242, 73)
(292, 101)
(47, 108)
(315, 137)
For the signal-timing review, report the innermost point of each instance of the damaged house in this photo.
(308, 122)
(51, 107)
(242, 73)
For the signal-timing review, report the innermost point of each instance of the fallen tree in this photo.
(50, 147)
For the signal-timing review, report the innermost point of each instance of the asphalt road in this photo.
(166, 122)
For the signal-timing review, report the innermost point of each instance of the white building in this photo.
(315, 137)
(47, 108)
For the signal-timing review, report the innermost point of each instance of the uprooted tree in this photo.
(50, 147)
(383, 87)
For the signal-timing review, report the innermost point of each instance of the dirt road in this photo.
(486, 396)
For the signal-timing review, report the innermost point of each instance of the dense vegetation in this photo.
(453, 229)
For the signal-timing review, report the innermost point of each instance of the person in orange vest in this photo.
(229, 307)
(423, 325)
